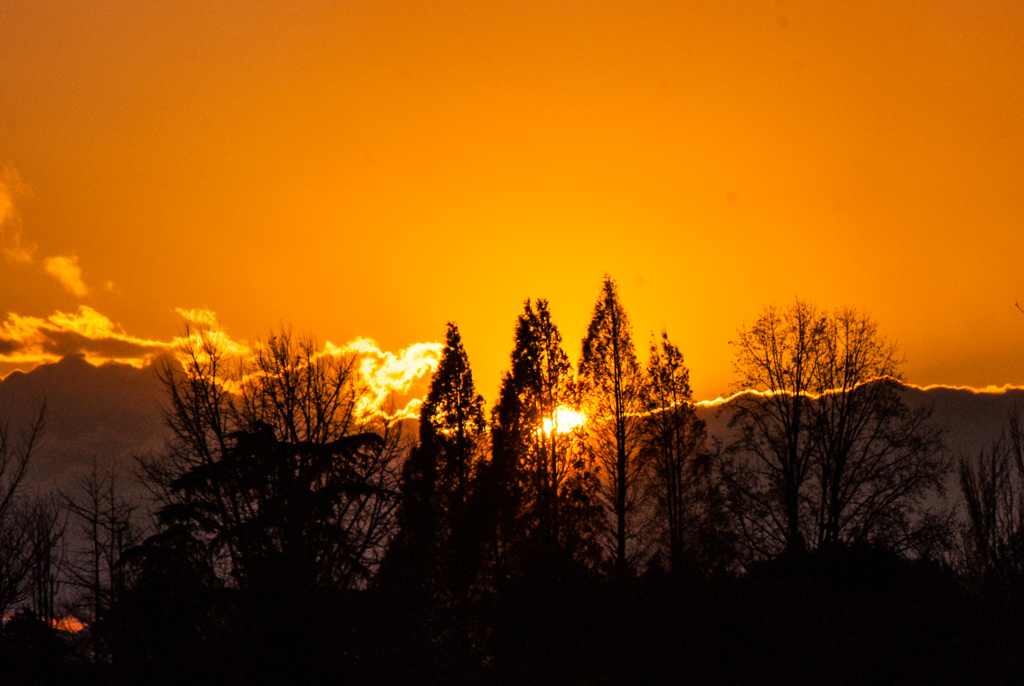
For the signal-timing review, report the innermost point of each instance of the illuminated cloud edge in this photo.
(394, 383)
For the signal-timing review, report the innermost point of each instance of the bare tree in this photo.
(16, 452)
(201, 413)
(46, 524)
(274, 465)
(875, 460)
(108, 527)
(992, 484)
(775, 361)
(828, 452)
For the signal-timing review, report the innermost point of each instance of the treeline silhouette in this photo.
(587, 530)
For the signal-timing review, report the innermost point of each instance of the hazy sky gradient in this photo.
(376, 168)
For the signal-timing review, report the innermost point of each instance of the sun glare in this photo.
(566, 419)
(68, 624)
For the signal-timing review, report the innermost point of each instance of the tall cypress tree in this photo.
(431, 564)
(547, 483)
(452, 426)
(438, 476)
(613, 393)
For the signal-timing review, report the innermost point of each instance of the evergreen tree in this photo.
(432, 562)
(438, 477)
(547, 492)
(452, 426)
(613, 394)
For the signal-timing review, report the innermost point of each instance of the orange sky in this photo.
(375, 168)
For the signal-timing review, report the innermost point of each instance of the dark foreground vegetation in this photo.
(587, 531)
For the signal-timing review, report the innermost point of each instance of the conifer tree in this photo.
(433, 560)
(613, 394)
(452, 424)
(548, 484)
(438, 476)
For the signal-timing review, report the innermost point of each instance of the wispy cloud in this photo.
(199, 316)
(12, 238)
(16, 247)
(65, 269)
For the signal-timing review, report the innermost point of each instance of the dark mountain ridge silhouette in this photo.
(106, 413)
(970, 419)
(113, 411)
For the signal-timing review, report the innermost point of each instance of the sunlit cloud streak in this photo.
(65, 269)
(990, 389)
(391, 384)
(987, 390)
(30, 341)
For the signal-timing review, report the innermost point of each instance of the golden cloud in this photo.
(65, 269)
(29, 341)
(199, 316)
(394, 384)
(203, 324)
